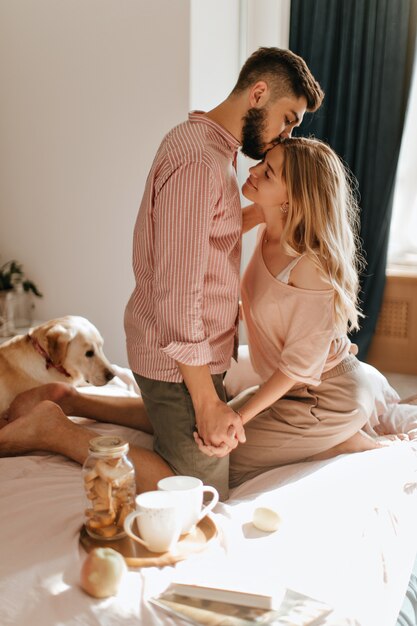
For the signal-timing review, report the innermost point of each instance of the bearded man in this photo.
(181, 321)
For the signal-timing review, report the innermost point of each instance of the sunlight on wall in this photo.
(223, 35)
(402, 249)
(214, 44)
(88, 95)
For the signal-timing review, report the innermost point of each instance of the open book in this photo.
(230, 581)
(237, 590)
(245, 595)
(295, 610)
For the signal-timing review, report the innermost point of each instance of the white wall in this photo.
(89, 88)
(215, 51)
(223, 36)
(263, 23)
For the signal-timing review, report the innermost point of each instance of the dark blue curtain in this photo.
(357, 50)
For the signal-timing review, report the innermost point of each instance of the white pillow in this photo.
(385, 395)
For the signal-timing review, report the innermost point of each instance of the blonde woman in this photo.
(299, 296)
(299, 299)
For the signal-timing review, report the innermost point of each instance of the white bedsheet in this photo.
(349, 537)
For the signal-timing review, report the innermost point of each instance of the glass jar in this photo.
(109, 481)
(7, 328)
(23, 305)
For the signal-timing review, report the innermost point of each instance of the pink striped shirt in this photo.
(186, 255)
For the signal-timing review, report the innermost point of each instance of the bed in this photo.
(348, 535)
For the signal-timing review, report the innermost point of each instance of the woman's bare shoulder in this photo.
(306, 275)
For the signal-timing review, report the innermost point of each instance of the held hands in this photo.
(219, 451)
(219, 430)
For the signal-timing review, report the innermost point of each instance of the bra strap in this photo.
(284, 275)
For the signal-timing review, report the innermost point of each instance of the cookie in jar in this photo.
(109, 481)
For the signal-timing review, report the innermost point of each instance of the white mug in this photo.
(158, 521)
(189, 492)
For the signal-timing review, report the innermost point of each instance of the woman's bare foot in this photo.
(45, 427)
(360, 442)
(61, 394)
(386, 440)
(384, 433)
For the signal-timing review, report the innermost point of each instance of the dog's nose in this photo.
(108, 375)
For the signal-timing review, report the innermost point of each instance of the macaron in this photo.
(266, 519)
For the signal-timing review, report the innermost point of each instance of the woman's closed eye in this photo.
(295, 121)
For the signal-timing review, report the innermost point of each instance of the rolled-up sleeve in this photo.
(183, 212)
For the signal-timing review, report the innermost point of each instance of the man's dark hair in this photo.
(286, 74)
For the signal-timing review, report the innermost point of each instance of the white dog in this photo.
(67, 349)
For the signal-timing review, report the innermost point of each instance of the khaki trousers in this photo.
(171, 413)
(306, 421)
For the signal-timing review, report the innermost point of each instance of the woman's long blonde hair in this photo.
(323, 220)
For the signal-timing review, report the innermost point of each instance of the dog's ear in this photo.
(58, 338)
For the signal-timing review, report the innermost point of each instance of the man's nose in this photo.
(286, 134)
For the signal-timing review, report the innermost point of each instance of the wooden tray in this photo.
(137, 555)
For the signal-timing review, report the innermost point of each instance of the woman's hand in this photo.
(218, 451)
(218, 424)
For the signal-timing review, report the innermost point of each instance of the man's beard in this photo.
(254, 126)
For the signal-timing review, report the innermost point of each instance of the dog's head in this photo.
(74, 344)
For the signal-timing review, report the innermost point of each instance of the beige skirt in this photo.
(307, 421)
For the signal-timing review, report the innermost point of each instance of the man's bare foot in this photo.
(45, 427)
(61, 394)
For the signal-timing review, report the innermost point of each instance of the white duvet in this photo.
(348, 537)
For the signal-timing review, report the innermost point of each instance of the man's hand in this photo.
(218, 424)
(252, 215)
(219, 451)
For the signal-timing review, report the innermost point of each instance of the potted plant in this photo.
(16, 298)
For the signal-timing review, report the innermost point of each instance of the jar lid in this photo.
(108, 445)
